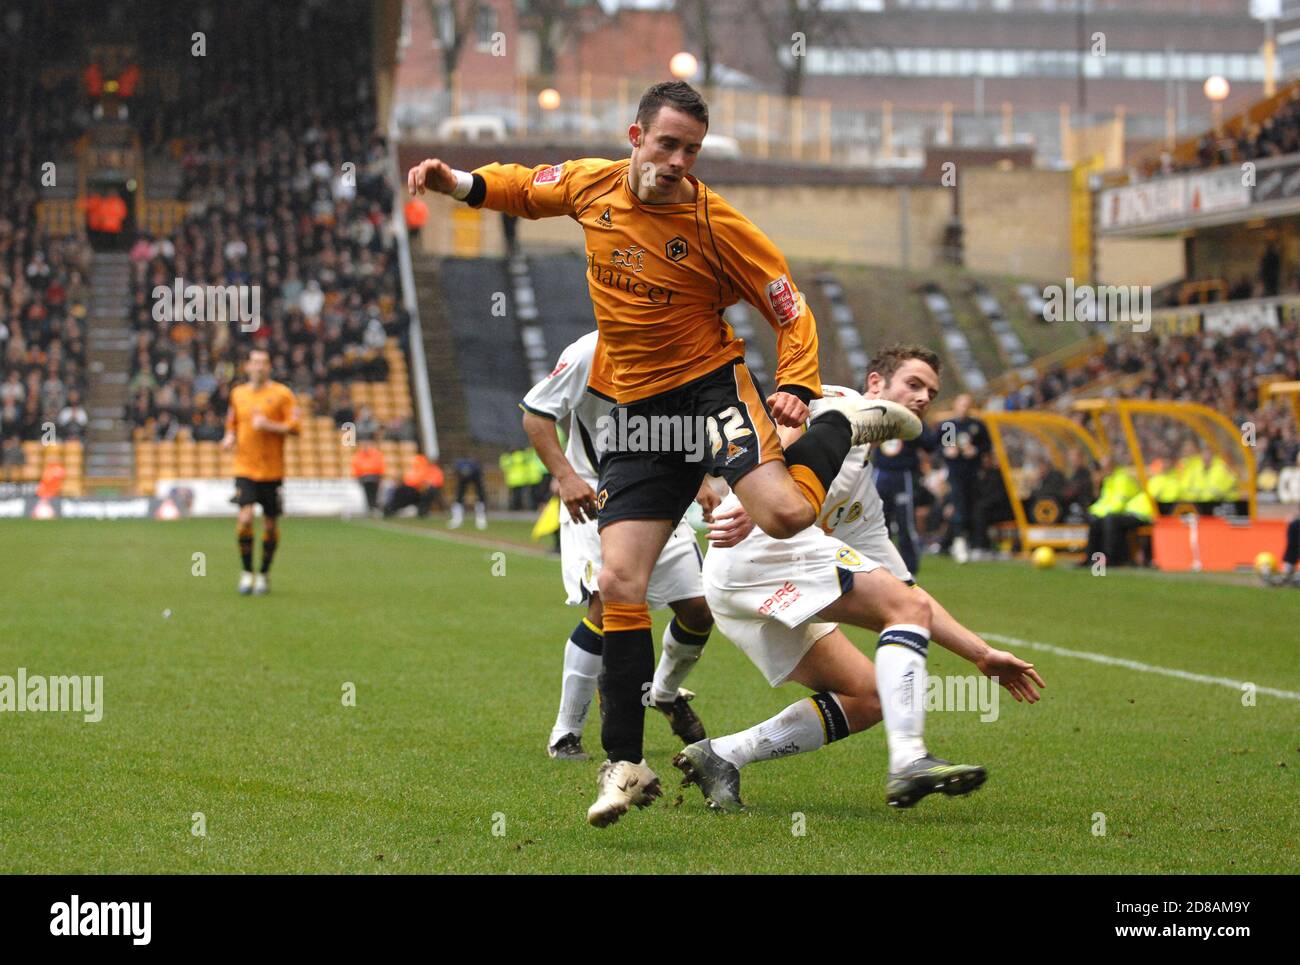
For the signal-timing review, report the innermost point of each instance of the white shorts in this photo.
(676, 574)
(765, 594)
(875, 542)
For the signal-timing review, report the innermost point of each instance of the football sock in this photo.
(626, 672)
(581, 667)
(682, 647)
(900, 678)
(815, 458)
(270, 540)
(803, 726)
(245, 535)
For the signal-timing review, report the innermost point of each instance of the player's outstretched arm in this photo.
(1004, 666)
(544, 191)
(431, 175)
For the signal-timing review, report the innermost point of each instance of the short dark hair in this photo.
(889, 360)
(671, 93)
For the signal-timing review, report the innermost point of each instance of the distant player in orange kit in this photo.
(262, 412)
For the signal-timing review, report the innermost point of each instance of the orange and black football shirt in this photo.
(259, 455)
(661, 274)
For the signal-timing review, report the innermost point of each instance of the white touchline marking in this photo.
(1137, 665)
(458, 538)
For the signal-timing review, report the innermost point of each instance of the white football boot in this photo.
(245, 583)
(620, 786)
(261, 586)
(480, 516)
(874, 420)
(457, 516)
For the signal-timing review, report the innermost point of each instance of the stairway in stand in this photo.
(109, 453)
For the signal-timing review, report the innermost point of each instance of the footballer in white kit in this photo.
(576, 390)
(778, 600)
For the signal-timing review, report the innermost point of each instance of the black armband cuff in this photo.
(478, 193)
(800, 392)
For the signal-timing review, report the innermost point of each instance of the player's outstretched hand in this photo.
(787, 409)
(729, 528)
(430, 175)
(578, 498)
(1013, 673)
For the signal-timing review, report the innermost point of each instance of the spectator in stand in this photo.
(72, 418)
(368, 469)
(210, 429)
(417, 213)
(421, 487)
(1270, 270)
(51, 484)
(12, 458)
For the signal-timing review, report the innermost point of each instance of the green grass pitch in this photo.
(232, 707)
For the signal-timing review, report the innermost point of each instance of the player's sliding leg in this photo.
(582, 659)
(784, 498)
(878, 599)
(244, 536)
(845, 702)
(683, 643)
(629, 548)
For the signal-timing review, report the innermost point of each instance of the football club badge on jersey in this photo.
(734, 452)
(600, 499)
(848, 557)
(549, 175)
(633, 258)
(606, 219)
(676, 248)
(780, 295)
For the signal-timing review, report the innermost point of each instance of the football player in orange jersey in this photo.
(262, 412)
(665, 256)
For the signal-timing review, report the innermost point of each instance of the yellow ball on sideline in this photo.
(1266, 564)
(1044, 557)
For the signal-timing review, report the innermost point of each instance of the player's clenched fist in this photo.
(787, 409)
(431, 175)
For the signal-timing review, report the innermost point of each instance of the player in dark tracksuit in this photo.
(965, 442)
(896, 467)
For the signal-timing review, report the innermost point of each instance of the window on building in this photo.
(485, 25)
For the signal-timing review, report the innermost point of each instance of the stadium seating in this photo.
(297, 204)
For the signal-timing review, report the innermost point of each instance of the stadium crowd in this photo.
(1274, 136)
(44, 295)
(285, 188)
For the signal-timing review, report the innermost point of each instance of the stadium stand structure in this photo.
(264, 174)
(45, 298)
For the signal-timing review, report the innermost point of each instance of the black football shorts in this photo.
(657, 451)
(266, 494)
